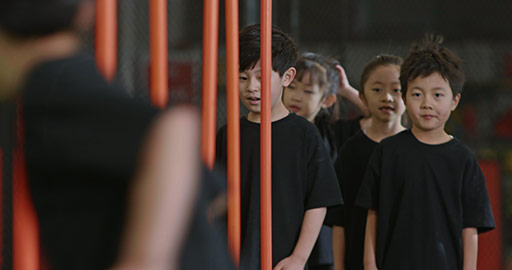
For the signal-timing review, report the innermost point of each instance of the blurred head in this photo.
(432, 77)
(313, 91)
(32, 31)
(283, 61)
(381, 88)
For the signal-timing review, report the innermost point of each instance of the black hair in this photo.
(284, 52)
(35, 18)
(379, 60)
(430, 57)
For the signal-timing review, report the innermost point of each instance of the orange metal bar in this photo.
(209, 96)
(25, 242)
(233, 125)
(266, 135)
(106, 37)
(159, 53)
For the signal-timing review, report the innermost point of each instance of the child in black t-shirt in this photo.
(381, 94)
(425, 192)
(312, 95)
(303, 178)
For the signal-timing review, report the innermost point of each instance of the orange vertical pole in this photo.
(266, 135)
(159, 53)
(25, 236)
(106, 37)
(209, 89)
(233, 126)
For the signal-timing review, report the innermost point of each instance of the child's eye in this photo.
(397, 90)
(438, 95)
(308, 92)
(242, 78)
(416, 94)
(378, 90)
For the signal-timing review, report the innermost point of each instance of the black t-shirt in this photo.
(82, 140)
(424, 196)
(350, 168)
(303, 178)
(344, 129)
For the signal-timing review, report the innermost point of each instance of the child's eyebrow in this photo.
(417, 88)
(377, 82)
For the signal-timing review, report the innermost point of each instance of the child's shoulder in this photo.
(294, 123)
(404, 137)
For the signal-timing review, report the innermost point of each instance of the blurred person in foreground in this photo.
(82, 141)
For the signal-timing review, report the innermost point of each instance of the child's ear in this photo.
(329, 101)
(288, 76)
(455, 101)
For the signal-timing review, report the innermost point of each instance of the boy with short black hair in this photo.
(425, 192)
(303, 178)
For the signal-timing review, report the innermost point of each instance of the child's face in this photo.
(250, 88)
(304, 98)
(382, 94)
(429, 102)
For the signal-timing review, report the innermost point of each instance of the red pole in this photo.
(159, 53)
(266, 135)
(209, 99)
(106, 37)
(25, 236)
(233, 125)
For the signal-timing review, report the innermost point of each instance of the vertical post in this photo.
(106, 37)
(266, 135)
(209, 89)
(25, 226)
(159, 53)
(233, 129)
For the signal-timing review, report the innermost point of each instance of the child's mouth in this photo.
(386, 109)
(254, 100)
(294, 108)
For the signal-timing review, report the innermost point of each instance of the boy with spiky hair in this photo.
(425, 192)
(303, 178)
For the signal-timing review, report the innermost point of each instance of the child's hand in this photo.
(291, 263)
(344, 83)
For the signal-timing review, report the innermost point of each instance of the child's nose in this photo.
(254, 84)
(426, 104)
(388, 97)
(296, 96)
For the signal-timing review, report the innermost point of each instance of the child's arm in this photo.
(469, 248)
(370, 241)
(350, 93)
(338, 247)
(313, 219)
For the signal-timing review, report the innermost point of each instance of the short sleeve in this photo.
(335, 216)
(322, 186)
(368, 196)
(476, 208)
